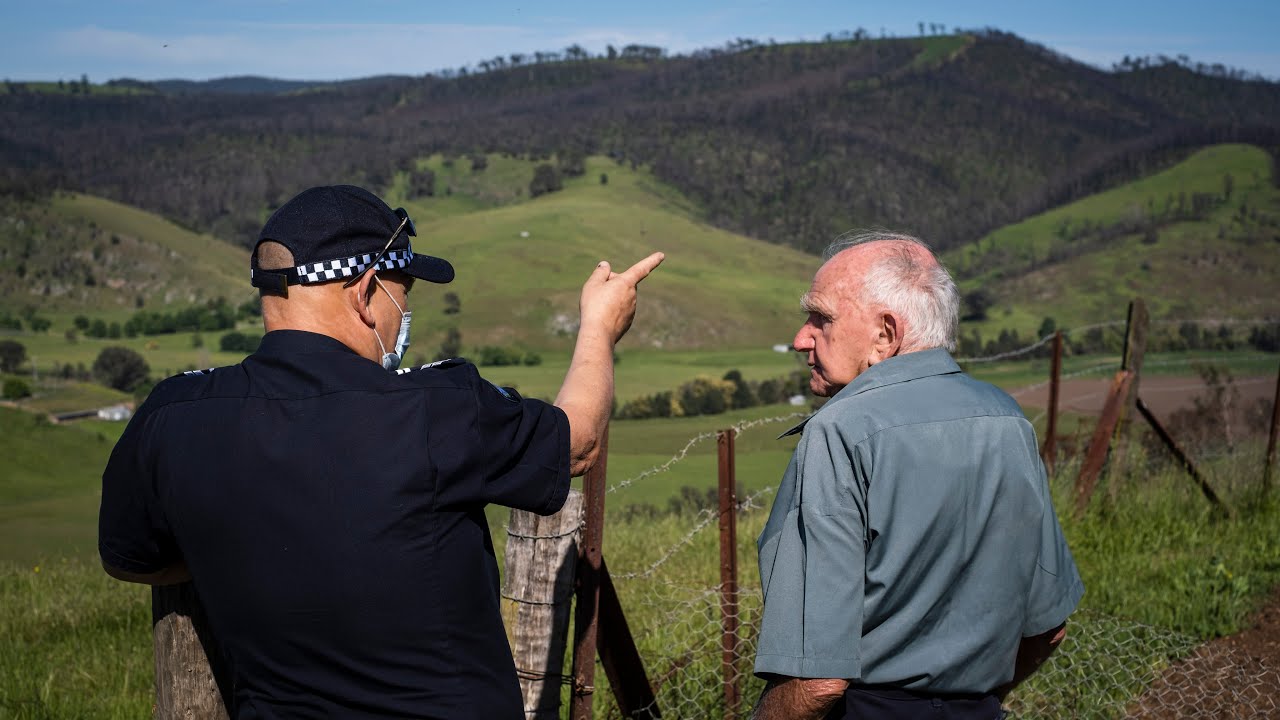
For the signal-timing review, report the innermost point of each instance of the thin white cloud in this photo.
(329, 51)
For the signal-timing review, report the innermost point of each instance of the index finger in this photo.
(641, 270)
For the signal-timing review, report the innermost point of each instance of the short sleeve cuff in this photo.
(1056, 614)
(810, 668)
(120, 562)
(560, 488)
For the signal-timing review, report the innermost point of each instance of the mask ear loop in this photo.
(389, 296)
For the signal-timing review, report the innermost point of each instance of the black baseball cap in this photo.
(337, 232)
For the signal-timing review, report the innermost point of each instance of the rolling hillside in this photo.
(948, 136)
(1199, 240)
(79, 253)
(520, 263)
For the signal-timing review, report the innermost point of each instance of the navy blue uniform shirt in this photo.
(331, 514)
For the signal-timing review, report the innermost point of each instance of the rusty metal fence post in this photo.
(1049, 451)
(587, 612)
(1270, 468)
(729, 572)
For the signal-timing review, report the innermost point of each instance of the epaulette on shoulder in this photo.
(451, 362)
(206, 371)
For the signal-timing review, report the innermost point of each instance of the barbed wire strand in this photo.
(708, 516)
(683, 452)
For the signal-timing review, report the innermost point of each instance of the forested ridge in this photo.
(946, 136)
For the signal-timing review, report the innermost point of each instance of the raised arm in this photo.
(607, 307)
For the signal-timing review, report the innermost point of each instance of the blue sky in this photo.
(295, 39)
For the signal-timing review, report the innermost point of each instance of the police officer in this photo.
(330, 508)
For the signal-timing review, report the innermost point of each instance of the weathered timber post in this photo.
(1135, 348)
(537, 593)
(193, 681)
(1049, 450)
(587, 611)
(729, 572)
(1271, 440)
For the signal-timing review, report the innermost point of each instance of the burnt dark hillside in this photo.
(948, 137)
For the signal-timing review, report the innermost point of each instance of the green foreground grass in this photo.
(1162, 572)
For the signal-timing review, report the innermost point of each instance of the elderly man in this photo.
(912, 565)
(331, 511)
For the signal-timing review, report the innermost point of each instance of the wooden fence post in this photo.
(587, 612)
(537, 590)
(1049, 450)
(193, 682)
(729, 572)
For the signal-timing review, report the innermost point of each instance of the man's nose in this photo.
(803, 341)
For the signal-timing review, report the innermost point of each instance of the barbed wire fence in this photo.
(1108, 667)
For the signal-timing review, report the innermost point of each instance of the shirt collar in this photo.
(285, 343)
(897, 369)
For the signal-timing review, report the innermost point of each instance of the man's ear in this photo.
(889, 342)
(360, 296)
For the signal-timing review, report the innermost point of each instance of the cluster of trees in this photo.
(772, 140)
(212, 316)
(72, 87)
(121, 368)
(1183, 337)
(15, 389)
(496, 356)
(33, 322)
(708, 396)
(238, 342)
(12, 355)
(546, 179)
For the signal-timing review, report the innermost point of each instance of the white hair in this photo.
(922, 294)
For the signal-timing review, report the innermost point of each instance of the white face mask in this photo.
(391, 360)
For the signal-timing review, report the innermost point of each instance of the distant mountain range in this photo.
(245, 85)
(948, 136)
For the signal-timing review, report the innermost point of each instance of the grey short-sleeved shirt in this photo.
(913, 542)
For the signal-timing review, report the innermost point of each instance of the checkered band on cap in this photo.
(349, 267)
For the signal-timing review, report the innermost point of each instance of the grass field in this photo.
(1157, 564)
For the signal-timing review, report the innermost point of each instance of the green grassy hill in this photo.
(1199, 240)
(520, 261)
(521, 265)
(76, 253)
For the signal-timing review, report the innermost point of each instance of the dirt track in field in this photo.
(1161, 393)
